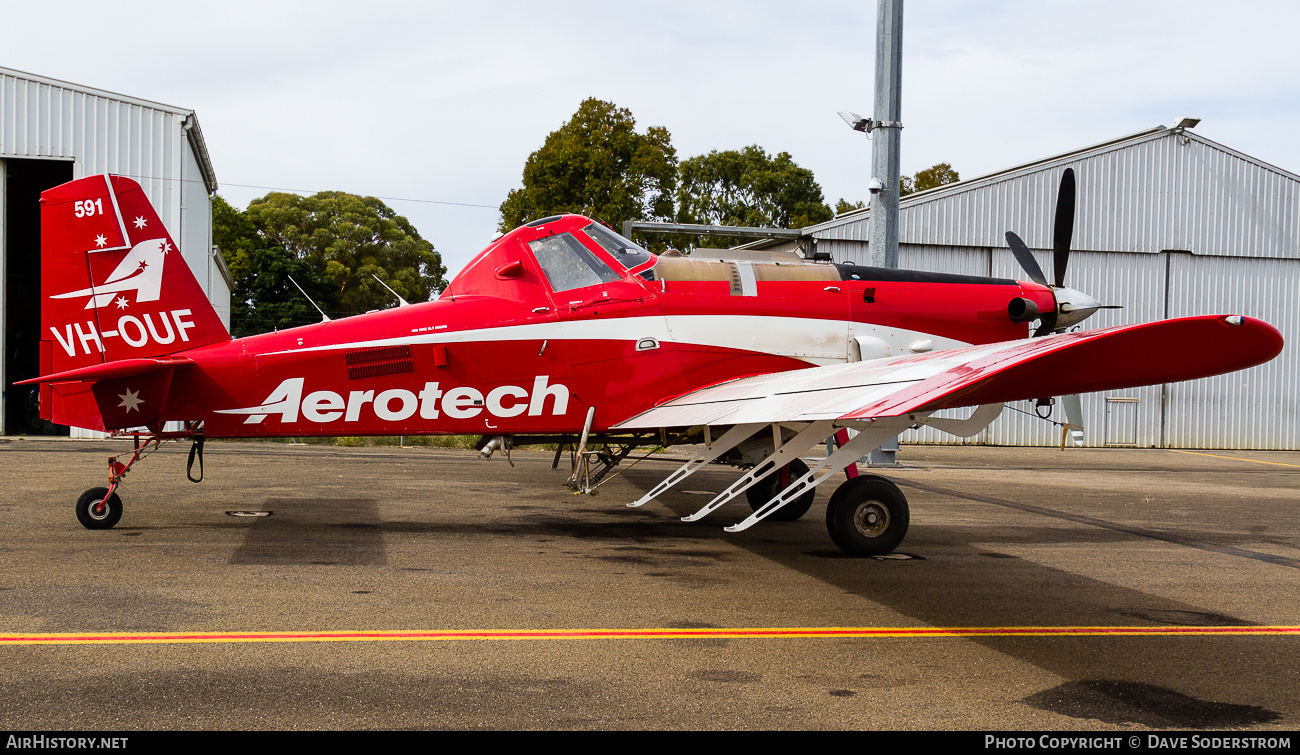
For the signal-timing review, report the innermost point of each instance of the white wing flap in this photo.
(806, 395)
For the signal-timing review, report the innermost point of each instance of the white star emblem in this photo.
(121, 302)
(130, 400)
(100, 240)
(140, 222)
(166, 247)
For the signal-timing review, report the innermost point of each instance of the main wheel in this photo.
(766, 489)
(867, 516)
(95, 512)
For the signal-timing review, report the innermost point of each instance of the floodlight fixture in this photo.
(1186, 122)
(857, 122)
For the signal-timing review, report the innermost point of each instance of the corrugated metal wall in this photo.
(1255, 408)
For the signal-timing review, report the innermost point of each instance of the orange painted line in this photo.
(119, 638)
(1233, 458)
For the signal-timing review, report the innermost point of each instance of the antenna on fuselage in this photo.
(400, 301)
(323, 317)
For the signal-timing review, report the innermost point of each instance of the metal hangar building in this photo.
(52, 132)
(1168, 224)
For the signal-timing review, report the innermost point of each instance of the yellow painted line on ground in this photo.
(1233, 458)
(124, 638)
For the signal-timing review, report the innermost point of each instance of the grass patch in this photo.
(367, 441)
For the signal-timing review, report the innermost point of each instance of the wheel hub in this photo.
(98, 509)
(871, 519)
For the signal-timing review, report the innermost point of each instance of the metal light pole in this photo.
(883, 238)
(884, 185)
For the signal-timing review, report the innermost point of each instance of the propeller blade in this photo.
(1063, 229)
(1026, 259)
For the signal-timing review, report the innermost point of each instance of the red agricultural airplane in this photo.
(563, 330)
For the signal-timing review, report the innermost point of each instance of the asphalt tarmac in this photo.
(425, 589)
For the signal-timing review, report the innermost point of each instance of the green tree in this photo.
(748, 188)
(845, 205)
(932, 177)
(331, 243)
(598, 165)
(235, 235)
(266, 300)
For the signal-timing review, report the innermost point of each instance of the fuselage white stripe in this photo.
(806, 338)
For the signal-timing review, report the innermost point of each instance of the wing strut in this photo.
(732, 438)
(814, 433)
(868, 437)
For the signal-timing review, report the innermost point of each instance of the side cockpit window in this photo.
(628, 253)
(568, 264)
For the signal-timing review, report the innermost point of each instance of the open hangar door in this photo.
(21, 184)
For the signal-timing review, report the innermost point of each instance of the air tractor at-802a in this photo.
(562, 331)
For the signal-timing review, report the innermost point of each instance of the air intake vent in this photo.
(383, 360)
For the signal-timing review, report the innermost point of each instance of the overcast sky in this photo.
(443, 102)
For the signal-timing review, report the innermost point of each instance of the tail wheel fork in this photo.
(101, 508)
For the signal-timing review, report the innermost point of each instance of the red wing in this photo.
(1082, 362)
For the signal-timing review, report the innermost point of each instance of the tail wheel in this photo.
(95, 511)
(867, 516)
(767, 488)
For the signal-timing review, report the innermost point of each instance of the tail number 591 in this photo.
(88, 207)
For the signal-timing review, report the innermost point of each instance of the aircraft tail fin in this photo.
(114, 285)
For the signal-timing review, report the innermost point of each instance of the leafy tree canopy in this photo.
(331, 243)
(597, 165)
(845, 205)
(748, 188)
(932, 177)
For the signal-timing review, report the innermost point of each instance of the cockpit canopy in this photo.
(568, 252)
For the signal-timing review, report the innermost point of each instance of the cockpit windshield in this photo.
(628, 253)
(568, 264)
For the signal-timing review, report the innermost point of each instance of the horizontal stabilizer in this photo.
(120, 368)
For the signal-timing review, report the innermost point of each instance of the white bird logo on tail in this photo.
(139, 271)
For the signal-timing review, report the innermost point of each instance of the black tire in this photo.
(766, 489)
(867, 516)
(106, 516)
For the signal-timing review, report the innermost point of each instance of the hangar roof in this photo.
(1156, 190)
(18, 137)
